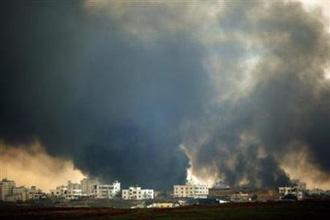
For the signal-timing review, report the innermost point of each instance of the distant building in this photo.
(265, 195)
(72, 191)
(18, 194)
(223, 193)
(297, 189)
(290, 190)
(6, 188)
(106, 191)
(136, 193)
(240, 197)
(35, 194)
(88, 186)
(59, 192)
(190, 191)
(10, 193)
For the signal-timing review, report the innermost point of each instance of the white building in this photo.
(60, 192)
(190, 191)
(136, 193)
(297, 189)
(73, 194)
(88, 187)
(72, 191)
(291, 190)
(106, 191)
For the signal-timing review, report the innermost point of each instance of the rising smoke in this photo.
(32, 166)
(135, 90)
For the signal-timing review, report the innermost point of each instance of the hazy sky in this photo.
(148, 91)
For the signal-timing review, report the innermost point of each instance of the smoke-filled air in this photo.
(155, 92)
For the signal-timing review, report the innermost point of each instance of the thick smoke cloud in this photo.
(286, 103)
(118, 87)
(89, 92)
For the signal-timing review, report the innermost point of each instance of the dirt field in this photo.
(290, 210)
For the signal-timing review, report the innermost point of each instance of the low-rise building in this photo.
(73, 194)
(72, 191)
(107, 191)
(265, 195)
(297, 189)
(88, 186)
(59, 192)
(190, 191)
(285, 191)
(9, 192)
(136, 193)
(35, 194)
(220, 193)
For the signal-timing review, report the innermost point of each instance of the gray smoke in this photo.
(285, 101)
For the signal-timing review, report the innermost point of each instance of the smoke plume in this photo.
(32, 166)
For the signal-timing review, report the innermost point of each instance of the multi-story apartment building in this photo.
(190, 191)
(9, 192)
(88, 186)
(298, 189)
(59, 192)
(106, 191)
(71, 191)
(136, 193)
(34, 193)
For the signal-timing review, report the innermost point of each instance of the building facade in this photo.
(11, 193)
(106, 191)
(136, 193)
(72, 191)
(88, 186)
(290, 190)
(297, 189)
(190, 191)
(35, 194)
(6, 188)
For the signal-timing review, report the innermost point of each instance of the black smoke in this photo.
(288, 103)
(89, 92)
